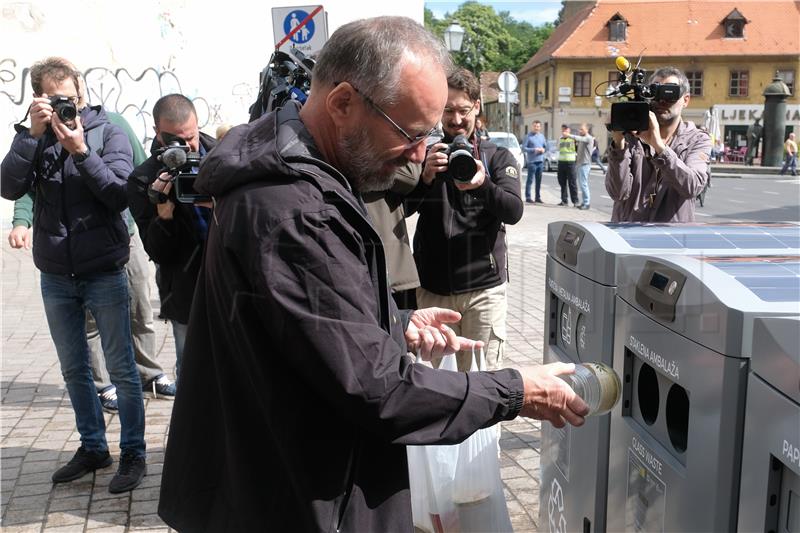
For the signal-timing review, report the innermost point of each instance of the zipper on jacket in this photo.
(348, 491)
(64, 213)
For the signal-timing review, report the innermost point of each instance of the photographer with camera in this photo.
(80, 245)
(654, 175)
(468, 192)
(172, 219)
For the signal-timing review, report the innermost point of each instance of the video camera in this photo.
(287, 76)
(182, 165)
(461, 165)
(63, 107)
(634, 114)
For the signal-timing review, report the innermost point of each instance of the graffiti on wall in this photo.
(117, 90)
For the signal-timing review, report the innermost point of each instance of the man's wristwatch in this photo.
(80, 157)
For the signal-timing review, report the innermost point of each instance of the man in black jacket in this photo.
(297, 394)
(460, 242)
(173, 232)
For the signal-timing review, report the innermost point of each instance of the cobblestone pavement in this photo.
(37, 431)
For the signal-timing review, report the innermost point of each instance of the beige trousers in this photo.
(483, 318)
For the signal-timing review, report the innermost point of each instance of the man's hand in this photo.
(652, 136)
(539, 150)
(41, 112)
(618, 138)
(163, 184)
(429, 336)
(548, 397)
(21, 237)
(476, 181)
(70, 139)
(435, 162)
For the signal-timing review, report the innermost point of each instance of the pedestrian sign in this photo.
(302, 27)
(292, 21)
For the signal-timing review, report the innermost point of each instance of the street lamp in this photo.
(453, 37)
(598, 104)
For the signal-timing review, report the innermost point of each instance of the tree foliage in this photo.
(492, 41)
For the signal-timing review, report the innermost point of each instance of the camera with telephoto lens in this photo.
(182, 166)
(64, 107)
(634, 114)
(461, 165)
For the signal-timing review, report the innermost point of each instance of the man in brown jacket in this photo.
(655, 175)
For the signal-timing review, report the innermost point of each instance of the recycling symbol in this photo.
(555, 509)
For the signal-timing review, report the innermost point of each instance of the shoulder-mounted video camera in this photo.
(461, 165)
(634, 113)
(286, 77)
(182, 166)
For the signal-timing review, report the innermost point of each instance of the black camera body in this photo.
(63, 107)
(461, 165)
(634, 114)
(181, 164)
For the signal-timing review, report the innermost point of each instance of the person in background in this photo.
(567, 154)
(480, 130)
(655, 175)
(535, 147)
(173, 232)
(81, 245)
(790, 161)
(583, 162)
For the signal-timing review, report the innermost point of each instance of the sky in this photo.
(534, 11)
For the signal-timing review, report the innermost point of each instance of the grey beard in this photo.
(360, 166)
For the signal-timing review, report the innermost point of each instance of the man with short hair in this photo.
(80, 245)
(173, 232)
(460, 241)
(583, 162)
(567, 154)
(292, 316)
(535, 146)
(655, 175)
(790, 163)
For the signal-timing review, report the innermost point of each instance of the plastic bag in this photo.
(431, 472)
(458, 488)
(477, 486)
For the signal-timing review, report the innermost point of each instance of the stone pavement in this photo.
(37, 429)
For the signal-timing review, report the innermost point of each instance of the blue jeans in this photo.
(534, 172)
(179, 332)
(105, 295)
(790, 163)
(583, 182)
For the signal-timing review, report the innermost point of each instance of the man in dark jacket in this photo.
(173, 232)
(387, 215)
(655, 175)
(80, 245)
(460, 242)
(297, 394)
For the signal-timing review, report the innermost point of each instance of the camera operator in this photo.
(80, 245)
(173, 232)
(655, 175)
(460, 242)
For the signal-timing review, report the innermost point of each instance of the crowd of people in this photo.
(295, 291)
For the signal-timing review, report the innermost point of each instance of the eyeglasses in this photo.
(412, 141)
(463, 111)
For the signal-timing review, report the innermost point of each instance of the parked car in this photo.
(507, 140)
(551, 156)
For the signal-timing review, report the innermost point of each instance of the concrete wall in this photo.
(131, 53)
